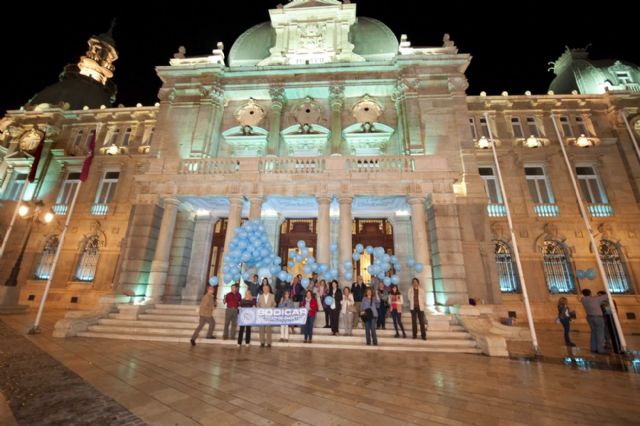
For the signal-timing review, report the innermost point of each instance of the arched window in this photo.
(43, 270)
(507, 275)
(88, 261)
(556, 268)
(614, 267)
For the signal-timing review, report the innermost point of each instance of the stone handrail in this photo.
(209, 166)
(380, 164)
(292, 165)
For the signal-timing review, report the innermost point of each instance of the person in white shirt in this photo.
(266, 300)
(348, 309)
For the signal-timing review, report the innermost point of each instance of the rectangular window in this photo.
(68, 188)
(591, 185)
(484, 126)
(14, 189)
(516, 126)
(472, 127)
(582, 128)
(532, 126)
(566, 126)
(539, 187)
(624, 77)
(127, 136)
(78, 139)
(113, 139)
(491, 184)
(107, 188)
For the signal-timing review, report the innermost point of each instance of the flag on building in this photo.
(84, 174)
(36, 160)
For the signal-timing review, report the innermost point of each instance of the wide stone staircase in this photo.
(175, 323)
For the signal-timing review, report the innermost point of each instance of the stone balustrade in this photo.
(312, 165)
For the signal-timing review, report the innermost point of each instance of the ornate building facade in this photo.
(331, 130)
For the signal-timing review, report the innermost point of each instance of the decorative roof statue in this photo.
(180, 54)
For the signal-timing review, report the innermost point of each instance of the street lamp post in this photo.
(516, 252)
(24, 212)
(584, 142)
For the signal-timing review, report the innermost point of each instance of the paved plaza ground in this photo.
(99, 381)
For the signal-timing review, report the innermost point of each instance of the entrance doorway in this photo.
(292, 231)
(374, 233)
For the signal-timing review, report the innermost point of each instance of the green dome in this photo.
(372, 40)
(252, 46)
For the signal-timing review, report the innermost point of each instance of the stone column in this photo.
(234, 220)
(336, 100)
(420, 249)
(198, 271)
(346, 237)
(160, 263)
(403, 247)
(278, 102)
(322, 249)
(255, 207)
(450, 284)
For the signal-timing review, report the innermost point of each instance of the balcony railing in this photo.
(496, 210)
(60, 209)
(291, 165)
(601, 210)
(380, 164)
(99, 209)
(209, 166)
(547, 210)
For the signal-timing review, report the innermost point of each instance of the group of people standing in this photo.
(599, 317)
(354, 304)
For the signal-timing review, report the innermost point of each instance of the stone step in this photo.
(386, 345)
(320, 333)
(189, 325)
(434, 325)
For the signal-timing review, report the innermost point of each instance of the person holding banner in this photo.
(285, 303)
(206, 316)
(266, 300)
(247, 302)
(311, 304)
(232, 300)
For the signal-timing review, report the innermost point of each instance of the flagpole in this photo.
(36, 325)
(13, 218)
(587, 224)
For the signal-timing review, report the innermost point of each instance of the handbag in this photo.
(367, 314)
(572, 314)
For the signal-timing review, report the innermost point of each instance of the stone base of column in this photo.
(157, 281)
(9, 301)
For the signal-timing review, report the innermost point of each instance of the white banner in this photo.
(272, 316)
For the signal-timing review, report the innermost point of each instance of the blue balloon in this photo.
(333, 247)
(298, 258)
(305, 283)
(282, 275)
(213, 281)
(395, 280)
(291, 264)
(322, 267)
(301, 244)
(304, 251)
(411, 261)
(359, 248)
(277, 260)
(348, 265)
(356, 256)
(311, 259)
(369, 249)
(387, 281)
(328, 300)
(348, 276)
(419, 267)
(307, 269)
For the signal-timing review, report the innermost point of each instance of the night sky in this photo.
(511, 43)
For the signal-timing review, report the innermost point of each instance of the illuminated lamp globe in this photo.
(483, 142)
(583, 142)
(23, 211)
(532, 142)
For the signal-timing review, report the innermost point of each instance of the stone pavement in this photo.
(177, 384)
(41, 391)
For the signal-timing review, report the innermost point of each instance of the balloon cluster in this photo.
(382, 264)
(250, 248)
(302, 255)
